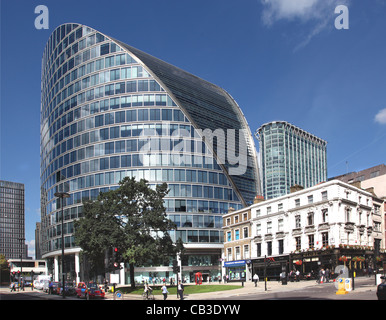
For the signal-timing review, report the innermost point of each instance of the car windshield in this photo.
(93, 286)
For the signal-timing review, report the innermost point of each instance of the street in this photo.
(365, 289)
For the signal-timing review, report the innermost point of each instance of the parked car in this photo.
(381, 289)
(90, 289)
(69, 289)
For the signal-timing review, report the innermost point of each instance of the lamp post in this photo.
(21, 285)
(62, 195)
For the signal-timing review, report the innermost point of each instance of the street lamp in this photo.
(62, 195)
(21, 262)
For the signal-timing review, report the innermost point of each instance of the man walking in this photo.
(255, 279)
(180, 290)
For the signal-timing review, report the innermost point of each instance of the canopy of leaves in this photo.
(131, 218)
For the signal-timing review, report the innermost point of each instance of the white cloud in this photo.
(317, 13)
(381, 116)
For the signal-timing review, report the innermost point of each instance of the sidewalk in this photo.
(249, 288)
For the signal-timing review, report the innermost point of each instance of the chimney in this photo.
(371, 190)
(258, 199)
(356, 184)
(295, 188)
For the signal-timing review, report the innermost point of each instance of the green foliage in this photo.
(131, 218)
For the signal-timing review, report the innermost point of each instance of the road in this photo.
(365, 289)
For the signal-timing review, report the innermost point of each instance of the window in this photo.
(258, 249)
(281, 246)
(237, 234)
(269, 248)
(348, 214)
(229, 254)
(245, 232)
(258, 229)
(325, 239)
(246, 252)
(280, 225)
(238, 254)
(310, 199)
(325, 215)
(298, 243)
(297, 202)
(311, 241)
(324, 195)
(269, 227)
(297, 222)
(310, 218)
(280, 207)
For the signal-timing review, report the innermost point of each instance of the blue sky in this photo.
(279, 59)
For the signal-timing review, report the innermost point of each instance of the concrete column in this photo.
(56, 268)
(77, 267)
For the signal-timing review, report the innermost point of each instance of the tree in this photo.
(131, 218)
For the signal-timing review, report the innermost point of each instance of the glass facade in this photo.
(290, 156)
(107, 113)
(12, 220)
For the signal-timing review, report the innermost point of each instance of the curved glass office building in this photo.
(109, 111)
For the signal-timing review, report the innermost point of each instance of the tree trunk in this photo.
(132, 281)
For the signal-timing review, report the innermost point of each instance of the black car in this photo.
(381, 289)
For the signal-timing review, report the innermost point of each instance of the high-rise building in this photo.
(12, 220)
(109, 111)
(289, 156)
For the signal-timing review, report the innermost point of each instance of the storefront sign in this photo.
(234, 263)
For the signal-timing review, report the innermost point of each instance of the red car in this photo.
(90, 290)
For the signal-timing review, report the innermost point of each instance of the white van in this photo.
(39, 282)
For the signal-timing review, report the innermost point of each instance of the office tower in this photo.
(109, 111)
(289, 156)
(12, 220)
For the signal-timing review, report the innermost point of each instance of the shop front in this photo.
(236, 270)
(271, 267)
(358, 259)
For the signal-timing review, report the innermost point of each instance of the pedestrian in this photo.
(50, 285)
(13, 287)
(180, 290)
(297, 275)
(255, 279)
(165, 291)
(327, 275)
(323, 279)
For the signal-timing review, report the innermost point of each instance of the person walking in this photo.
(180, 290)
(255, 279)
(327, 275)
(165, 291)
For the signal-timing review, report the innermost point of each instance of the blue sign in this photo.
(234, 263)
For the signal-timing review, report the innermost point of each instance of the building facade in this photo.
(237, 244)
(108, 111)
(12, 220)
(319, 227)
(289, 156)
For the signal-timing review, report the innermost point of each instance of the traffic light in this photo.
(176, 267)
(117, 258)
